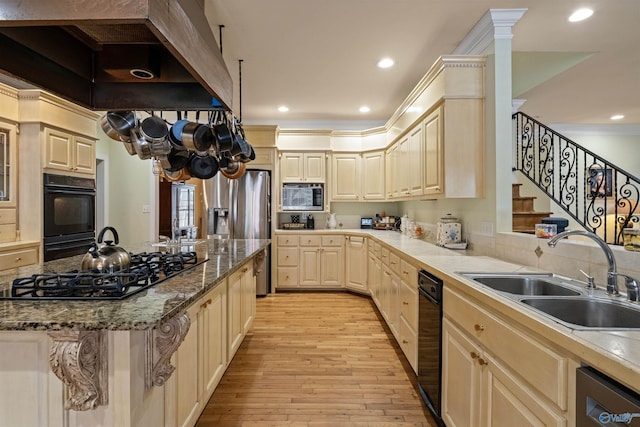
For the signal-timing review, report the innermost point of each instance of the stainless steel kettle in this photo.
(107, 257)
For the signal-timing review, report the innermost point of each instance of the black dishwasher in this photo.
(430, 342)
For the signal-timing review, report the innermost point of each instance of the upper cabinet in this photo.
(345, 177)
(67, 152)
(8, 149)
(303, 167)
(373, 175)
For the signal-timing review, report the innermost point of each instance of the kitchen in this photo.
(132, 230)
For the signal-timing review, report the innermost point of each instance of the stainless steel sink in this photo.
(588, 312)
(524, 284)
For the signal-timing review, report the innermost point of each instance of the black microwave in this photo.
(302, 197)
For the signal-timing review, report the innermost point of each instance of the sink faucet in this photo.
(612, 276)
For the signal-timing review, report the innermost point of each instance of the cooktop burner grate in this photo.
(146, 269)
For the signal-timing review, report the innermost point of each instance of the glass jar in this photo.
(631, 238)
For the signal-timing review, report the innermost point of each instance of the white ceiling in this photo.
(319, 57)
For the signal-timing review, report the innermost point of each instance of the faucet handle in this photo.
(591, 283)
(632, 287)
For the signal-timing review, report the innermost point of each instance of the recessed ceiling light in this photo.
(385, 63)
(617, 117)
(364, 109)
(580, 15)
(283, 108)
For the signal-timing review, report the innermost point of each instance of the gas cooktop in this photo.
(146, 269)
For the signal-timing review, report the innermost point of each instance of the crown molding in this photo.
(495, 24)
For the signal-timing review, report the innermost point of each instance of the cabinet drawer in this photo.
(543, 368)
(409, 304)
(18, 258)
(409, 344)
(287, 277)
(7, 216)
(408, 273)
(384, 256)
(377, 249)
(7, 233)
(287, 257)
(332, 240)
(394, 263)
(309, 240)
(287, 240)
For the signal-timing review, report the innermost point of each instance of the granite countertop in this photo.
(140, 311)
(614, 352)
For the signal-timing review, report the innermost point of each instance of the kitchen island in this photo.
(130, 362)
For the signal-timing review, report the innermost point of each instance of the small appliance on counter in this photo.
(366, 223)
(310, 222)
(448, 231)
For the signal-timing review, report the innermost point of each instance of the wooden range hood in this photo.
(116, 54)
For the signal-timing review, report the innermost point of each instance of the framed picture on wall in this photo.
(599, 182)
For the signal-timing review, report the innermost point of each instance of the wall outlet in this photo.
(146, 208)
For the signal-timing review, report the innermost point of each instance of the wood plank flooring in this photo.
(317, 360)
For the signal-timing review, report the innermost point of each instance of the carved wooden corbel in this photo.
(79, 359)
(167, 338)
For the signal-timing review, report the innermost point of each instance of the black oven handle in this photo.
(68, 246)
(426, 295)
(82, 192)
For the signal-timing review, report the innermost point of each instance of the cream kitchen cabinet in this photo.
(373, 175)
(414, 161)
(303, 167)
(345, 177)
(8, 163)
(494, 374)
(70, 153)
(374, 274)
(356, 272)
(200, 361)
(240, 306)
(287, 262)
(408, 323)
(321, 261)
(18, 254)
(432, 172)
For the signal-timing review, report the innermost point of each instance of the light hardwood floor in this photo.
(317, 360)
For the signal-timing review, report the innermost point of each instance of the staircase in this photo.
(524, 218)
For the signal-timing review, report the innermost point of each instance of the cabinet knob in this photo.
(19, 259)
(482, 362)
(474, 355)
(244, 270)
(405, 342)
(405, 303)
(478, 327)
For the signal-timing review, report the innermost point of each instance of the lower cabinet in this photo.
(356, 271)
(495, 375)
(321, 261)
(219, 322)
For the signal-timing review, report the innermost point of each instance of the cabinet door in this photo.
(402, 170)
(248, 297)
(84, 155)
(213, 318)
(58, 150)
(508, 402)
(385, 293)
(345, 177)
(8, 164)
(357, 264)
(234, 314)
(314, 167)
(374, 277)
(460, 379)
(332, 266)
(373, 177)
(292, 167)
(414, 156)
(433, 169)
(186, 374)
(309, 265)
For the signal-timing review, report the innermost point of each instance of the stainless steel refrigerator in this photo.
(241, 209)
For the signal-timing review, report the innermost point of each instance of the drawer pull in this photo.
(405, 342)
(19, 259)
(244, 270)
(405, 303)
(474, 355)
(482, 362)
(478, 327)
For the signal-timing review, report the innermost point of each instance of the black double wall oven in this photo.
(69, 215)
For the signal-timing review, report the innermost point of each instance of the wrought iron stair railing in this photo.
(597, 194)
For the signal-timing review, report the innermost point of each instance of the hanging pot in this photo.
(234, 170)
(107, 257)
(179, 175)
(110, 131)
(141, 145)
(175, 134)
(178, 159)
(122, 121)
(203, 167)
(223, 135)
